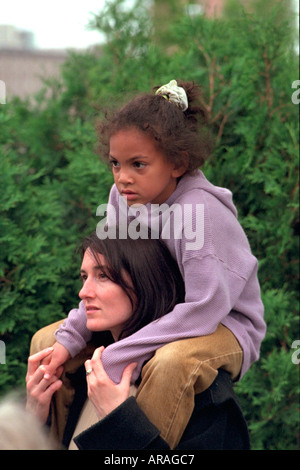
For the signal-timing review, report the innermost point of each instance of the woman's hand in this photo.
(102, 391)
(39, 390)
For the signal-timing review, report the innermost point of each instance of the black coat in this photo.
(217, 422)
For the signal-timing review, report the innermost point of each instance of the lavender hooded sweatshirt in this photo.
(219, 271)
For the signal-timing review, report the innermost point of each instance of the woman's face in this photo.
(107, 305)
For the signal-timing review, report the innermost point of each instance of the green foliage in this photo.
(52, 182)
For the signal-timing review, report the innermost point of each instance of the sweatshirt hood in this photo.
(199, 181)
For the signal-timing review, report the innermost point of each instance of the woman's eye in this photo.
(102, 276)
(83, 277)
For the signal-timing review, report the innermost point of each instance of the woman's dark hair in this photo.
(157, 283)
(183, 137)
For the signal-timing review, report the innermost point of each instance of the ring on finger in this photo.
(89, 371)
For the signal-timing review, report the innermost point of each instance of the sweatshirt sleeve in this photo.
(73, 333)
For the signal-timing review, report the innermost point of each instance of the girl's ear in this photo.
(180, 169)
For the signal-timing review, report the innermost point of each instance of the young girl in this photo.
(155, 145)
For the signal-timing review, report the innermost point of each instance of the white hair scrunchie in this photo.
(174, 93)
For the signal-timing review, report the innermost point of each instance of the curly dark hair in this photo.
(183, 137)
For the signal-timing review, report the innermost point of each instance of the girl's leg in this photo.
(180, 370)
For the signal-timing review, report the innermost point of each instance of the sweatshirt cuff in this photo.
(74, 343)
(125, 428)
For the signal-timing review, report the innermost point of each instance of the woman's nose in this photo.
(87, 290)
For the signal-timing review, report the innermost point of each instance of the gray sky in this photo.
(56, 24)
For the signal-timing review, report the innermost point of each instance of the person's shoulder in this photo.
(197, 189)
(190, 189)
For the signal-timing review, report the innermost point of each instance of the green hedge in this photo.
(52, 181)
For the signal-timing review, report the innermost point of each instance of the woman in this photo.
(123, 292)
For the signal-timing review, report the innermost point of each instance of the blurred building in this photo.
(163, 10)
(212, 8)
(23, 71)
(14, 38)
(22, 66)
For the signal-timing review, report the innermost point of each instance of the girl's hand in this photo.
(58, 357)
(39, 390)
(102, 391)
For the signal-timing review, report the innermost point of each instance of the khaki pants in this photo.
(176, 372)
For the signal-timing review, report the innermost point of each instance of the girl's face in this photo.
(141, 172)
(107, 305)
